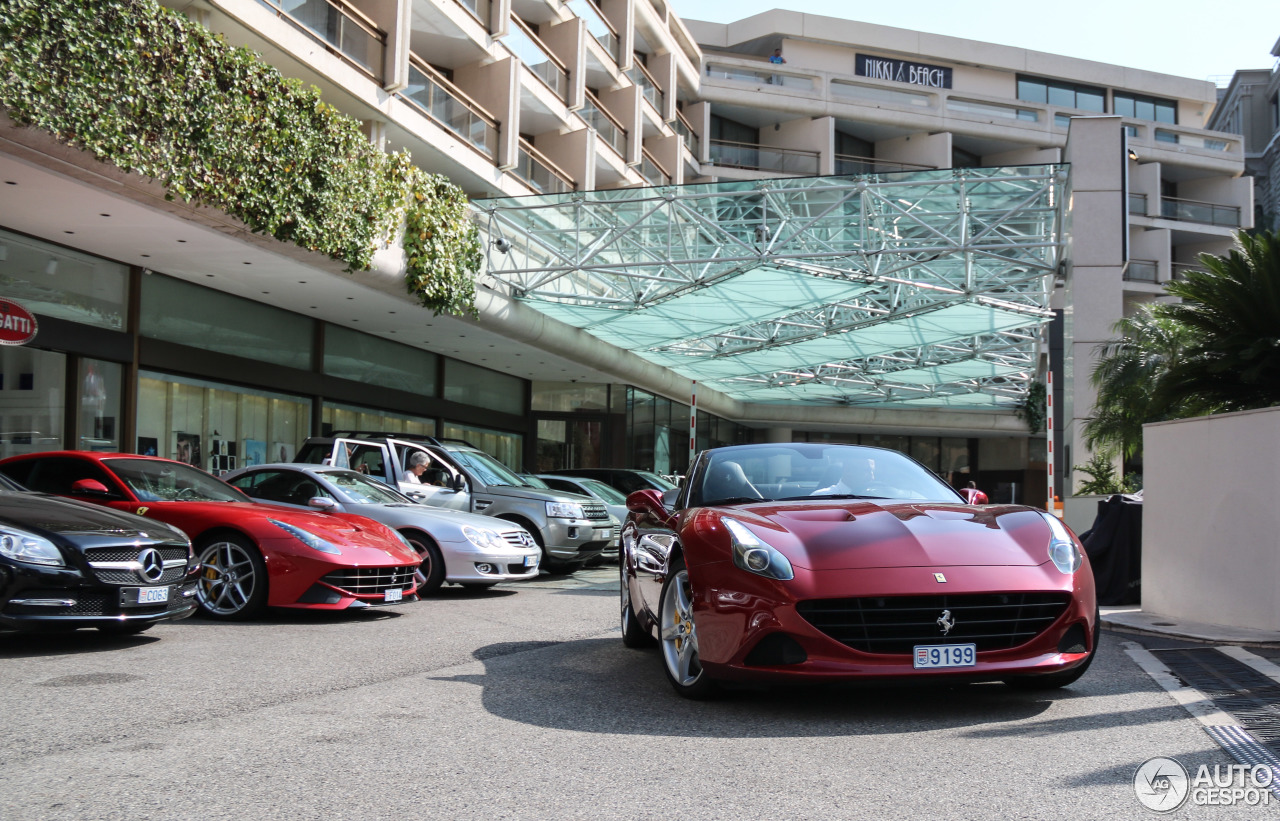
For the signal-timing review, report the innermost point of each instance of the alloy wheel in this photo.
(679, 636)
(228, 578)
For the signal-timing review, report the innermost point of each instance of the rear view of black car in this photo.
(64, 564)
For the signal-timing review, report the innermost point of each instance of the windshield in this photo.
(362, 490)
(658, 481)
(488, 471)
(153, 480)
(812, 471)
(600, 490)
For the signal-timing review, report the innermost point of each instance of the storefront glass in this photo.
(473, 385)
(363, 358)
(507, 448)
(55, 282)
(218, 427)
(33, 388)
(99, 423)
(348, 417)
(569, 397)
(187, 314)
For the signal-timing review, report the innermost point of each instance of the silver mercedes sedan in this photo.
(457, 547)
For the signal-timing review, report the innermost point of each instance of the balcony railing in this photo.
(720, 71)
(609, 129)
(1138, 204)
(1191, 140)
(651, 171)
(1142, 270)
(539, 173)
(1007, 112)
(763, 158)
(444, 103)
(851, 164)
(685, 130)
(340, 28)
(524, 44)
(1206, 212)
(1179, 269)
(600, 28)
(881, 95)
(478, 8)
(648, 86)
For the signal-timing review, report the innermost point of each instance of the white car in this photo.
(457, 547)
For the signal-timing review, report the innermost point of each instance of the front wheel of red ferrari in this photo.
(679, 636)
(233, 578)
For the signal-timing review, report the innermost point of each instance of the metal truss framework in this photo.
(920, 288)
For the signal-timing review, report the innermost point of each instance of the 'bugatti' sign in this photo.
(17, 325)
(902, 71)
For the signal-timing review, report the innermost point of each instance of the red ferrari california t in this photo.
(252, 555)
(816, 562)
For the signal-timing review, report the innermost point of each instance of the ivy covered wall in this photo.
(151, 92)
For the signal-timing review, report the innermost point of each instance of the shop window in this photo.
(187, 314)
(100, 384)
(363, 358)
(569, 397)
(32, 403)
(347, 417)
(60, 283)
(507, 448)
(1141, 107)
(473, 385)
(218, 427)
(1061, 94)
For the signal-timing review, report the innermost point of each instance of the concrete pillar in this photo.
(496, 86)
(817, 134)
(624, 103)
(393, 17)
(663, 69)
(932, 150)
(567, 41)
(1023, 156)
(574, 153)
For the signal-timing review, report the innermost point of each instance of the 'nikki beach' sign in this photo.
(902, 71)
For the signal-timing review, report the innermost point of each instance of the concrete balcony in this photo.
(724, 154)
(341, 28)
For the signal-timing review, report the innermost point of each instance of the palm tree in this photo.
(1127, 377)
(1233, 310)
(1217, 350)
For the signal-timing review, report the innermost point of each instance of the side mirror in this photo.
(458, 484)
(646, 502)
(89, 487)
(669, 499)
(322, 503)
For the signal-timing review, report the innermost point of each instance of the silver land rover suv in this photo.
(571, 529)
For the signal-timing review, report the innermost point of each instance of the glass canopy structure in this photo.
(925, 288)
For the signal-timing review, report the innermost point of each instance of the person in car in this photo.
(417, 465)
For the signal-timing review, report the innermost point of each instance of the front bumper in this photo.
(749, 627)
(466, 564)
(578, 540)
(36, 598)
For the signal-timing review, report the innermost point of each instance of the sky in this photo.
(1200, 39)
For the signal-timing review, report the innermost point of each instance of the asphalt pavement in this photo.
(521, 702)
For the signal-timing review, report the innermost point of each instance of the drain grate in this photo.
(1252, 698)
(1244, 748)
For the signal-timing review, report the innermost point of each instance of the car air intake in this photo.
(896, 624)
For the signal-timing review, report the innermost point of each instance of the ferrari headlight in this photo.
(480, 537)
(1062, 550)
(22, 546)
(754, 555)
(564, 510)
(311, 540)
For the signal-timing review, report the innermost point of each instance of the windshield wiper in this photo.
(839, 496)
(733, 500)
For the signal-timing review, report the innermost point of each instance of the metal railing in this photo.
(539, 173)
(652, 172)
(648, 86)
(851, 164)
(740, 74)
(1163, 135)
(691, 140)
(524, 44)
(444, 103)
(763, 157)
(1142, 270)
(341, 28)
(478, 8)
(609, 129)
(600, 28)
(1138, 204)
(1194, 211)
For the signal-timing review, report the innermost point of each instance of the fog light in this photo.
(573, 533)
(484, 567)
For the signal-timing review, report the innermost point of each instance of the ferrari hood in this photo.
(864, 534)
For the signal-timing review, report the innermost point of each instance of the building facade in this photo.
(162, 323)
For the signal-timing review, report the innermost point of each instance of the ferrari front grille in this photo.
(369, 581)
(896, 624)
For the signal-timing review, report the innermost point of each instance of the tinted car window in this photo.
(164, 481)
(57, 474)
(284, 486)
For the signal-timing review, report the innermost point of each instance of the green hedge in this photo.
(142, 87)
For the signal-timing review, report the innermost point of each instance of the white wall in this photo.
(1211, 522)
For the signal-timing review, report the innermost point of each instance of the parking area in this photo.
(521, 702)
